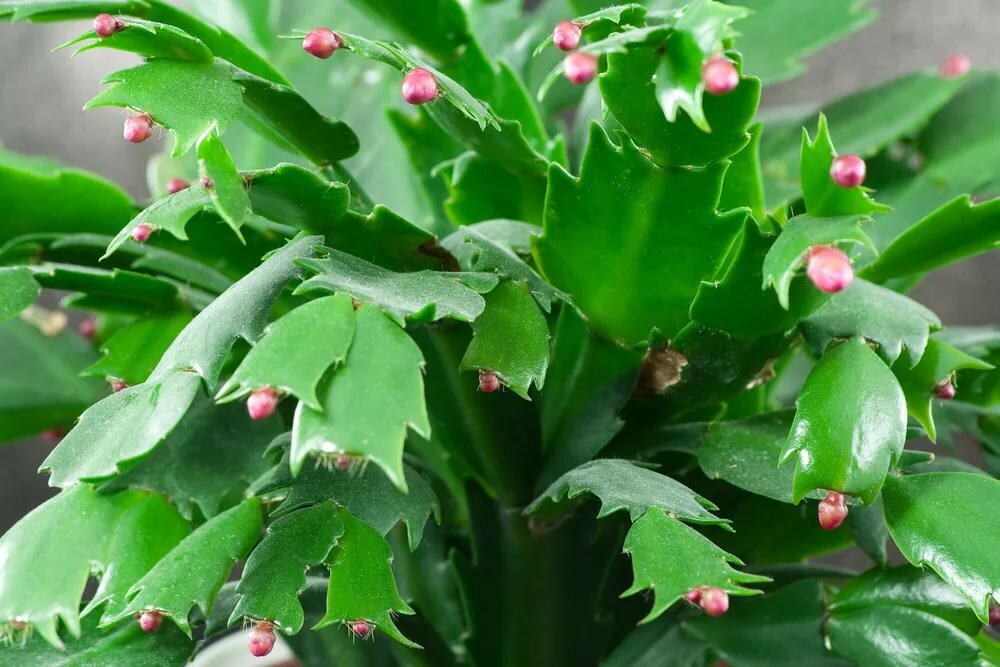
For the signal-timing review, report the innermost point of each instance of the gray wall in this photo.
(41, 95)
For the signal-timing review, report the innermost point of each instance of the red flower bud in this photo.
(87, 328)
(488, 382)
(419, 86)
(566, 35)
(714, 601)
(106, 25)
(262, 639)
(360, 628)
(138, 128)
(832, 511)
(719, 76)
(262, 403)
(141, 233)
(829, 269)
(994, 615)
(945, 390)
(955, 66)
(693, 596)
(848, 171)
(322, 43)
(175, 185)
(580, 68)
(150, 620)
(118, 385)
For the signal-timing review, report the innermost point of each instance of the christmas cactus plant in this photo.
(476, 333)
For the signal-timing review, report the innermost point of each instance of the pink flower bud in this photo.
(693, 596)
(580, 68)
(714, 601)
(945, 390)
(118, 385)
(52, 435)
(994, 615)
(262, 403)
(141, 233)
(488, 382)
(87, 328)
(829, 269)
(150, 620)
(719, 76)
(175, 185)
(566, 35)
(360, 628)
(106, 25)
(262, 639)
(138, 128)
(955, 66)
(848, 171)
(832, 511)
(322, 43)
(206, 182)
(343, 462)
(419, 86)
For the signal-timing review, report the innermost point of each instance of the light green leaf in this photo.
(670, 559)
(603, 21)
(223, 182)
(275, 572)
(18, 290)
(133, 351)
(171, 214)
(116, 290)
(288, 359)
(511, 338)
(850, 424)
(632, 256)
(423, 296)
(147, 38)
(621, 485)
(370, 403)
(823, 197)
(195, 570)
(938, 364)
(892, 320)
(50, 10)
(930, 518)
(799, 235)
(184, 97)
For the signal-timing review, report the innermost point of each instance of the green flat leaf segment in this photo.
(48, 556)
(18, 290)
(224, 184)
(671, 559)
(370, 403)
(631, 252)
(194, 571)
(275, 572)
(133, 351)
(147, 38)
(800, 234)
(929, 518)
(621, 485)
(850, 424)
(604, 20)
(423, 296)
(170, 214)
(288, 358)
(362, 585)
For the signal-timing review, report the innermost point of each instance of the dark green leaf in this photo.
(370, 403)
(223, 182)
(850, 424)
(133, 351)
(195, 570)
(621, 485)
(287, 358)
(122, 291)
(744, 185)
(482, 189)
(880, 315)
(173, 92)
(867, 526)
(823, 197)
(945, 520)
(18, 290)
(649, 645)
(362, 586)
(799, 235)
(632, 252)
(438, 27)
(511, 338)
(172, 213)
(423, 296)
(275, 572)
(671, 559)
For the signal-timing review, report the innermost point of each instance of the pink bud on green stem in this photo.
(262, 403)
(360, 628)
(150, 620)
(714, 601)
(955, 66)
(566, 35)
(580, 68)
(848, 171)
(719, 76)
(829, 269)
(138, 128)
(321, 43)
(117, 384)
(419, 86)
(175, 185)
(945, 390)
(141, 233)
(488, 382)
(832, 511)
(262, 639)
(106, 25)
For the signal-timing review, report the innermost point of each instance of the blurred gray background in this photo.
(42, 93)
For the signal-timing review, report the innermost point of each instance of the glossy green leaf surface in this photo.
(800, 234)
(149, 39)
(866, 524)
(208, 460)
(48, 555)
(653, 236)
(422, 296)
(510, 338)
(172, 93)
(621, 485)
(275, 572)
(133, 351)
(287, 358)
(882, 316)
(18, 290)
(744, 186)
(823, 197)
(362, 585)
(850, 424)
(194, 571)
(929, 517)
(671, 559)
(939, 362)
(370, 403)
(225, 185)
(170, 214)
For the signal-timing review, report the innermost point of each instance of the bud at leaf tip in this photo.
(321, 43)
(150, 621)
(829, 269)
(262, 639)
(360, 628)
(141, 233)
(714, 601)
(175, 185)
(832, 511)
(719, 76)
(106, 25)
(566, 35)
(118, 385)
(955, 66)
(87, 328)
(693, 595)
(945, 391)
(848, 171)
(262, 403)
(994, 615)
(419, 86)
(138, 128)
(488, 382)
(580, 68)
